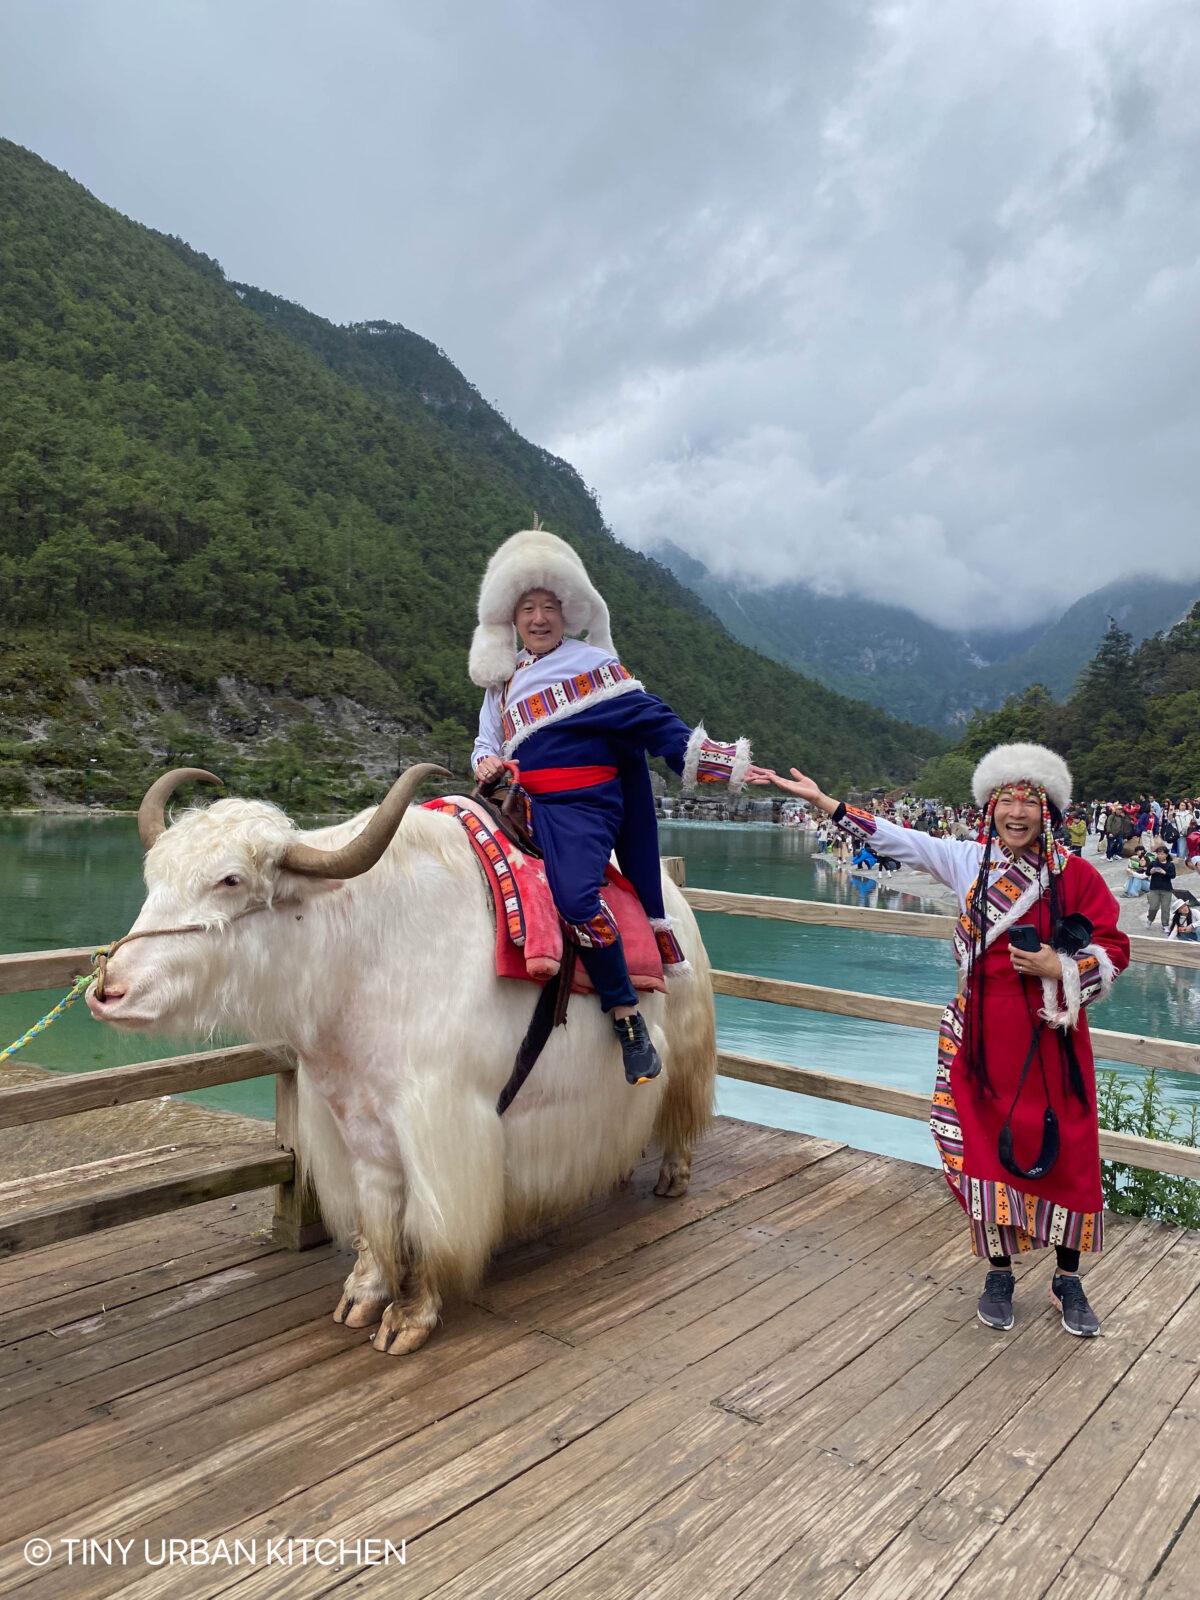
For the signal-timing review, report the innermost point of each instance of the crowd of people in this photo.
(1164, 836)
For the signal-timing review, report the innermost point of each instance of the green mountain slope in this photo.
(195, 460)
(1130, 727)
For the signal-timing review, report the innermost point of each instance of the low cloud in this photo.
(898, 297)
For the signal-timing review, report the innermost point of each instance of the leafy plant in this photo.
(1142, 1109)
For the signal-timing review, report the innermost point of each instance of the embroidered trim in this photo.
(1004, 1220)
(598, 932)
(491, 857)
(563, 699)
(708, 760)
(1095, 983)
(1000, 917)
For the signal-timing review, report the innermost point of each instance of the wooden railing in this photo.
(102, 1194)
(1152, 1154)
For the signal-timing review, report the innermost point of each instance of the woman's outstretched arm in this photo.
(953, 862)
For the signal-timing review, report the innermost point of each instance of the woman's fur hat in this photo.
(533, 559)
(1010, 763)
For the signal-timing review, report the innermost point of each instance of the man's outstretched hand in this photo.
(759, 775)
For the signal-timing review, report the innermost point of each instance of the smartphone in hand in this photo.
(1024, 936)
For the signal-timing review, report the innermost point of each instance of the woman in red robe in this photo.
(1014, 1106)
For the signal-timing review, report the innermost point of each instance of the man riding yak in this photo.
(583, 725)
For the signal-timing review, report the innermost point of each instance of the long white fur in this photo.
(1009, 763)
(532, 559)
(384, 986)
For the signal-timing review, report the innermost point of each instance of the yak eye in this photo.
(231, 882)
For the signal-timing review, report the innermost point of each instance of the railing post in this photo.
(675, 869)
(297, 1224)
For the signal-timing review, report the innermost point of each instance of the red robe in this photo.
(1066, 1206)
(1007, 1213)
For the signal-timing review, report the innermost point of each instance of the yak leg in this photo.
(365, 1292)
(411, 1317)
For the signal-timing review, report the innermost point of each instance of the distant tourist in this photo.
(1183, 924)
(1036, 942)
(1162, 878)
(1077, 830)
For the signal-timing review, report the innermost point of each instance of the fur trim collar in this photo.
(532, 559)
(1009, 763)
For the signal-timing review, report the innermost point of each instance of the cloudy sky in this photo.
(898, 297)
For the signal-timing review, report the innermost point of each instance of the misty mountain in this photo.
(913, 669)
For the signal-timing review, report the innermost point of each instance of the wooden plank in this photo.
(1073, 1491)
(78, 1263)
(58, 1311)
(44, 969)
(824, 1085)
(297, 1224)
(65, 1094)
(675, 869)
(1143, 1519)
(914, 924)
(665, 1217)
(1154, 1155)
(185, 1180)
(1138, 1048)
(917, 924)
(281, 1438)
(59, 1397)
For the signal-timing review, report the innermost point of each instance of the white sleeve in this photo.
(954, 862)
(491, 737)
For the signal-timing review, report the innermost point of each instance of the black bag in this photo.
(1048, 1154)
(1072, 934)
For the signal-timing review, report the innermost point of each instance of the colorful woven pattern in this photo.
(715, 764)
(1004, 1220)
(858, 822)
(495, 861)
(669, 948)
(520, 716)
(1091, 979)
(599, 931)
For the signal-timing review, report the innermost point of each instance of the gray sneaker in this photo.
(995, 1303)
(1077, 1316)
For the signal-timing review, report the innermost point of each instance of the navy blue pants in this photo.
(577, 833)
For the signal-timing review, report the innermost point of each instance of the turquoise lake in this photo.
(68, 881)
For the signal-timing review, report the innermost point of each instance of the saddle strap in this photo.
(549, 1013)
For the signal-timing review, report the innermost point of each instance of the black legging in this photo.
(1068, 1260)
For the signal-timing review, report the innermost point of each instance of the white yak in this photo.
(368, 949)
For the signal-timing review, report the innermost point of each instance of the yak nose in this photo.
(113, 991)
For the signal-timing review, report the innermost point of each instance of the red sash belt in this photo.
(558, 780)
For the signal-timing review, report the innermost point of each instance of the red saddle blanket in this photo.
(529, 937)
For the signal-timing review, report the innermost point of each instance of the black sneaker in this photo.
(641, 1058)
(1077, 1316)
(995, 1303)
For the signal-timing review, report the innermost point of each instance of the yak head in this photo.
(216, 946)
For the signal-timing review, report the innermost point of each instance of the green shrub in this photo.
(1128, 1108)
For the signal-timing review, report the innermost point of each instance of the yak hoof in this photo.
(358, 1312)
(673, 1178)
(400, 1333)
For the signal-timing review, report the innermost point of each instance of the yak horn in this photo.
(363, 851)
(151, 820)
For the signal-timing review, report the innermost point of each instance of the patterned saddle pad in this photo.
(529, 935)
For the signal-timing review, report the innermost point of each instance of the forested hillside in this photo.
(1131, 727)
(199, 482)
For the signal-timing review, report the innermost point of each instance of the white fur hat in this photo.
(533, 559)
(1010, 763)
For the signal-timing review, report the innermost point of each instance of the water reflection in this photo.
(71, 881)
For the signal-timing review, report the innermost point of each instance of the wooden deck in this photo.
(774, 1388)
